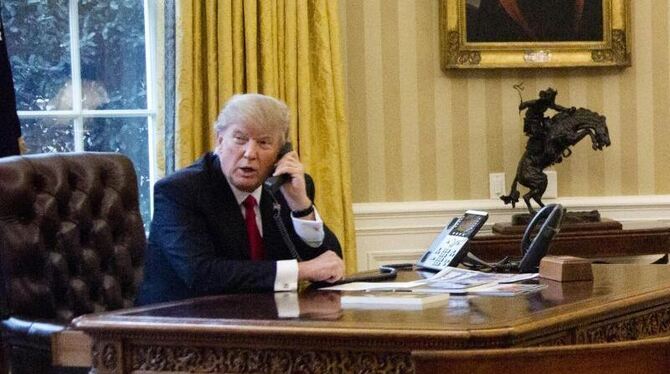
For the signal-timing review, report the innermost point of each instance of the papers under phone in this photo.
(450, 280)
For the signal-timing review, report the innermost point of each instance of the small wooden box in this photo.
(566, 268)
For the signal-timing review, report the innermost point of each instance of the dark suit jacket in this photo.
(198, 242)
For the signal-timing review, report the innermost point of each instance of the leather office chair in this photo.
(650, 356)
(71, 242)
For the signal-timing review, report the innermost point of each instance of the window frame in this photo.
(78, 115)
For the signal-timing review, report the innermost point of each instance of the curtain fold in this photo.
(289, 49)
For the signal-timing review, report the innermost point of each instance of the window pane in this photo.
(112, 51)
(39, 49)
(44, 135)
(130, 137)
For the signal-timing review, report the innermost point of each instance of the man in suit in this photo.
(213, 229)
(535, 21)
(10, 129)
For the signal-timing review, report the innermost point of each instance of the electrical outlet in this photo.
(496, 185)
(552, 185)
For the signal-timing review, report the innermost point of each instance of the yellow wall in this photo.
(418, 133)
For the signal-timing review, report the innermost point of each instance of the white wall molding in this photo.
(399, 231)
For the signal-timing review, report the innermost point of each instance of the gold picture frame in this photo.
(470, 38)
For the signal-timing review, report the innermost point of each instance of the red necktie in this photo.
(255, 240)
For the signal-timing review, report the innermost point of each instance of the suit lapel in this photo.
(275, 248)
(224, 213)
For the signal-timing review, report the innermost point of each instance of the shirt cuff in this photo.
(286, 278)
(311, 232)
(287, 304)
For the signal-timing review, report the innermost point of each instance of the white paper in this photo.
(448, 280)
(378, 286)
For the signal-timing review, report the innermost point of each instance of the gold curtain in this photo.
(289, 49)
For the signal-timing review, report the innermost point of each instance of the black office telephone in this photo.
(449, 248)
(273, 183)
(533, 250)
(446, 250)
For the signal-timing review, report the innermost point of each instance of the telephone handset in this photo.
(449, 248)
(273, 183)
(534, 250)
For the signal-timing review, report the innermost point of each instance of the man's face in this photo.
(247, 155)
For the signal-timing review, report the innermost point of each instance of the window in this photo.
(84, 78)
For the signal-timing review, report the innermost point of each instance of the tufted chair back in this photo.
(71, 242)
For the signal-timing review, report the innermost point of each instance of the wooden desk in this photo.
(242, 333)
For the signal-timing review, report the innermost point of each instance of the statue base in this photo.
(572, 221)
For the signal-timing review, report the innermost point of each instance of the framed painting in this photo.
(534, 34)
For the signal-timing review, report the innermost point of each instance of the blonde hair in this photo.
(260, 111)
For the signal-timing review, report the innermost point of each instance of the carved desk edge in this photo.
(141, 350)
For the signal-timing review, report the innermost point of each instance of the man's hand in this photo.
(294, 191)
(328, 267)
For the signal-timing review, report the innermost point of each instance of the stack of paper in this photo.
(392, 300)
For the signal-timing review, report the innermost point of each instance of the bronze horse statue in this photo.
(551, 142)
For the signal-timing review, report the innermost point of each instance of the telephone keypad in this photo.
(448, 250)
(450, 246)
